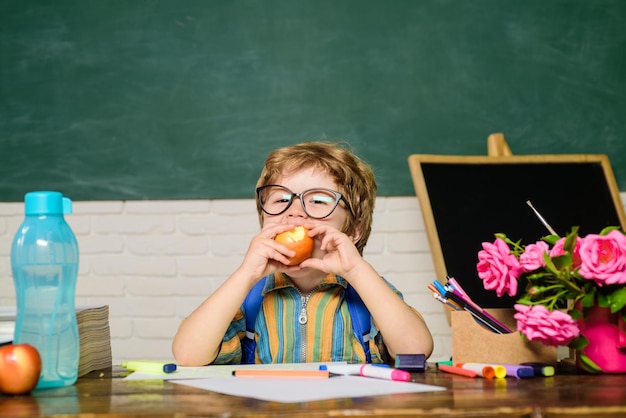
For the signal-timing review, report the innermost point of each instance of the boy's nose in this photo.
(296, 208)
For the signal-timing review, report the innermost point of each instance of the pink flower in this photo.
(532, 257)
(604, 258)
(498, 268)
(558, 250)
(551, 328)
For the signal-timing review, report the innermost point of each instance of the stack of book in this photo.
(95, 338)
(93, 331)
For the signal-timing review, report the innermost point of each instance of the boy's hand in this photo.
(340, 254)
(265, 255)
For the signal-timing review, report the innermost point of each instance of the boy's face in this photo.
(299, 181)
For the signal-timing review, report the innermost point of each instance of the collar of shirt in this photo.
(279, 280)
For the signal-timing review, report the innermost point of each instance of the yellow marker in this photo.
(499, 371)
(150, 366)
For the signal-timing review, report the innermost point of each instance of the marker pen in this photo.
(457, 370)
(519, 371)
(380, 371)
(368, 370)
(149, 366)
(348, 369)
(541, 369)
(499, 371)
(411, 362)
(483, 371)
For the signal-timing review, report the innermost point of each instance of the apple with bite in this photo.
(297, 240)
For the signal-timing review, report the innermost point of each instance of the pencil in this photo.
(309, 374)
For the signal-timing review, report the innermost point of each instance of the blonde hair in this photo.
(354, 178)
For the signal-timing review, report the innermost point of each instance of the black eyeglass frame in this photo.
(337, 194)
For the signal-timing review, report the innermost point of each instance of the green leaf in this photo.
(578, 343)
(608, 229)
(587, 364)
(603, 300)
(551, 239)
(562, 261)
(575, 314)
(550, 267)
(617, 300)
(589, 299)
(570, 240)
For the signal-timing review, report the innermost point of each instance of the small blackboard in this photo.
(466, 199)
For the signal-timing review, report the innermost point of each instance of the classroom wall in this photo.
(144, 99)
(153, 262)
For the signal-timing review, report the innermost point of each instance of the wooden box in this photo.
(471, 343)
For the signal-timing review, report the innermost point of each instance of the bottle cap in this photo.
(46, 203)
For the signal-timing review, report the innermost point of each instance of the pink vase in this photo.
(606, 333)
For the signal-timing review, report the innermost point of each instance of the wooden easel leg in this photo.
(497, 146)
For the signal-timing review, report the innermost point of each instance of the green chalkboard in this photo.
(148, 99)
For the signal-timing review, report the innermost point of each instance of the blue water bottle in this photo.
(44, 261)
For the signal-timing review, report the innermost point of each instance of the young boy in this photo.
(304, 316)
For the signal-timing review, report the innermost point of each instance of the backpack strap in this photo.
(361, 322)
(251, 306)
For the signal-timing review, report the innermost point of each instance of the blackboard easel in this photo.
(466, 199)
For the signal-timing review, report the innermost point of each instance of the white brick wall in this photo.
(153, 262)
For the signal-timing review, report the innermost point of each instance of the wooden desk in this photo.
(106, 394)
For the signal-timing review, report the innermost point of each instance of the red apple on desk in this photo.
(297, 240)
(20, 367)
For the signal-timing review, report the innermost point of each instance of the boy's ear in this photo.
(356, 233)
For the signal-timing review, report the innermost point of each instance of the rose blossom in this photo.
(551, 328)
(558, 250)
(532, 257)
(498, 268)
(604, 258)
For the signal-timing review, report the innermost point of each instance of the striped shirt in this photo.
(295, 328)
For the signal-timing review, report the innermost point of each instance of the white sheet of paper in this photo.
(305, 390)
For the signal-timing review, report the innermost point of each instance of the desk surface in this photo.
(106, 394)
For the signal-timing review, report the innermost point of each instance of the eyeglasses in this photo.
(316, 203)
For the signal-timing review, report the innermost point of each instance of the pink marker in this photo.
(389, 373)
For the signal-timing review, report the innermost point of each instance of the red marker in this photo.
(457, 370)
